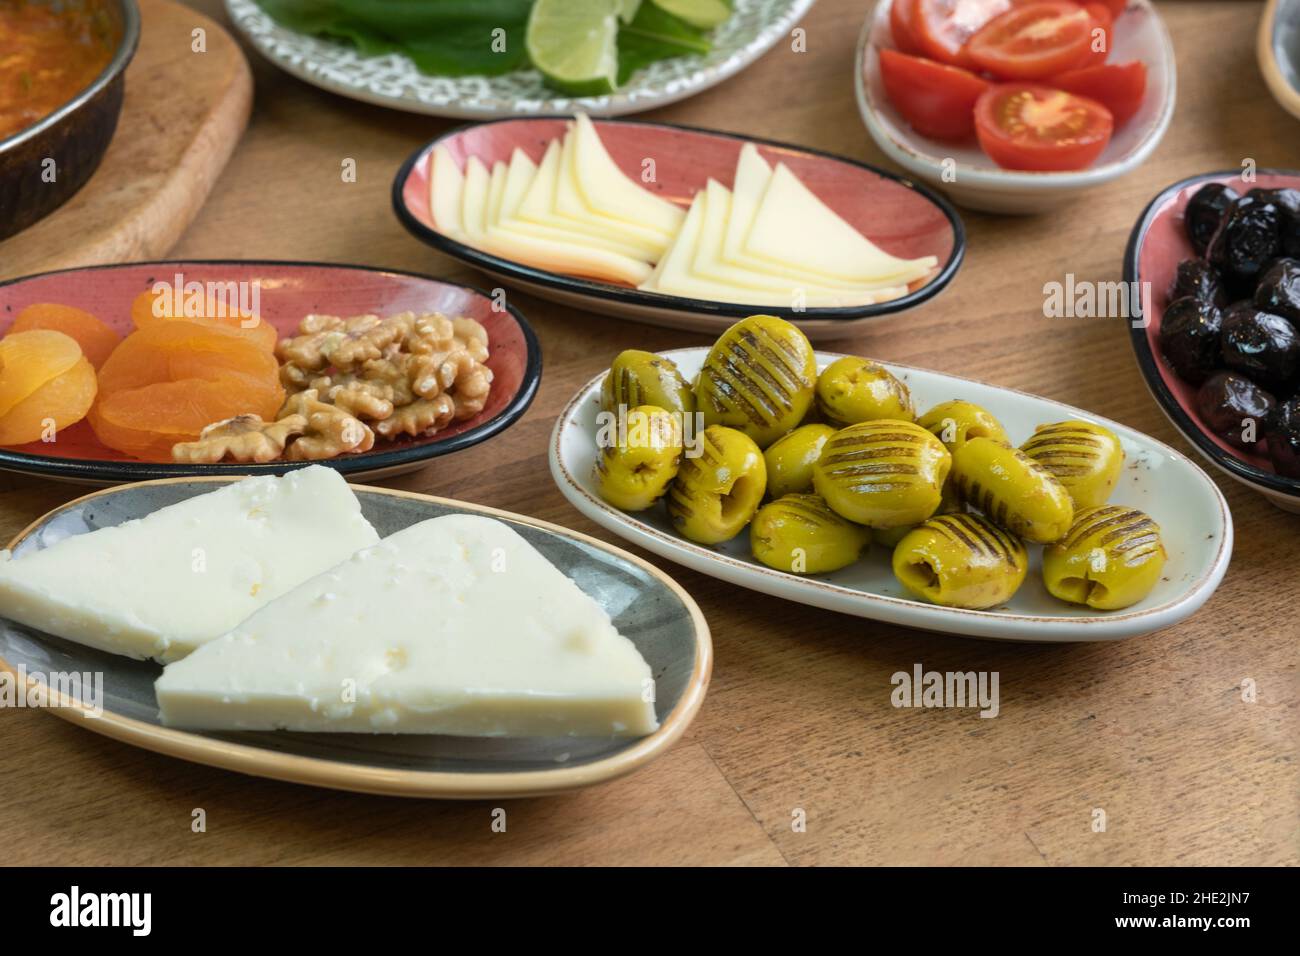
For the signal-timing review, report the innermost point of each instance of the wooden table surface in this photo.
(798, 722)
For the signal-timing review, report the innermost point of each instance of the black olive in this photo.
(1288, 204)
(1283, 430)
(1279, 289)
(1204, 212)
(1200, 280)
(1249, 239)
(1189, 338)
(1234, 407)
(1264, 346)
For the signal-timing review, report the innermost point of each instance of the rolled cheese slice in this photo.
(162, 585)
(455, 625)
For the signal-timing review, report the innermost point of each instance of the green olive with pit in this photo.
(1084, 456)
(956, 421)
(716, 492)
(800, 534)
(758, 378)
(634, 469)
(1111, 558)
(1014, 491)
(883, 474)
(644, 378)
(963, 561)
(790, 459)
(852, 390)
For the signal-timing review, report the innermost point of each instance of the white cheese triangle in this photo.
(455, 625)
(793, 227)
(162, 585)
(446, 182)
(609, 191)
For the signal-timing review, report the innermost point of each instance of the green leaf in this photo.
(442, 37)
(656, 35)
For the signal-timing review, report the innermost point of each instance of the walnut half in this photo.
(242, 438)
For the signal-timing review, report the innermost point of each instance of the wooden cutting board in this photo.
(183, 113)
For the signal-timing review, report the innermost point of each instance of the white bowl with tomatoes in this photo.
(1016, 105)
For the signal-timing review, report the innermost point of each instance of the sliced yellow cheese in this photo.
(571, 206)
(673, 275)
(446, 183)
(521, 183)
(474, 201)
(609, 191)
(793, 227)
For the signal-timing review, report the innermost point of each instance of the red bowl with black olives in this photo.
(1217, 258)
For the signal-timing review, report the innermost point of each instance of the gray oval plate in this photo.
(645, 604)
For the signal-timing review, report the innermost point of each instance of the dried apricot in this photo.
(151, 308)
(96, 338)
(60, 402)
(176, 349)
(30, 360)
(147, 421)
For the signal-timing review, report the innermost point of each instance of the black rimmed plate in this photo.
(1155, 247)
(904, 218)
(287, 291)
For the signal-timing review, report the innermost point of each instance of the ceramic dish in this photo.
(288, 291)
(905, 219)
(1278, 51)
(74, 137)
(393, 81)
(645, 604)
(1155, 247)
(1194, 518)
(973, 179)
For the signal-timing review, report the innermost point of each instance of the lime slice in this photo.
(574, 43)
(627, 10)
(705, 14)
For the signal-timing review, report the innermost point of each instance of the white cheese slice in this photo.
(455, 625)
(520, 183)
(572, 207)
(675, 276)
(446, 183)
(793, 227)
(162, 585)
(610, 191)
(484, 191)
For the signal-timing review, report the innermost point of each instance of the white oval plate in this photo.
(1192, 514)
(975, 180)
(754, 27)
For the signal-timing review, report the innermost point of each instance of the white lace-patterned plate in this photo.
(392, 80)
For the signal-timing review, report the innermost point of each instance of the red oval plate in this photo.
(288, 291)
(902, 217)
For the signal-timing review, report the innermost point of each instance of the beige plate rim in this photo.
(319, 772)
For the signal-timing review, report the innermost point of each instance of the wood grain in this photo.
(182, 116)
(798, 720)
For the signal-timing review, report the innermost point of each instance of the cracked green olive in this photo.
(758, 378)
(716, 493)
(1012, 490)
(791, 457)
(1111, 558)
(1085, 457)
(883, 474)
(961, 561)
(644, 378)
(800, 534)
(852, 390)
(634, 471)
(956, 421)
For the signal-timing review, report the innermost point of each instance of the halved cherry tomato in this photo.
(1098, 43)
(942, 27)
(901, 13)
(1024, 126)
(1033, 41)
(937, 100)
(1120, 87)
